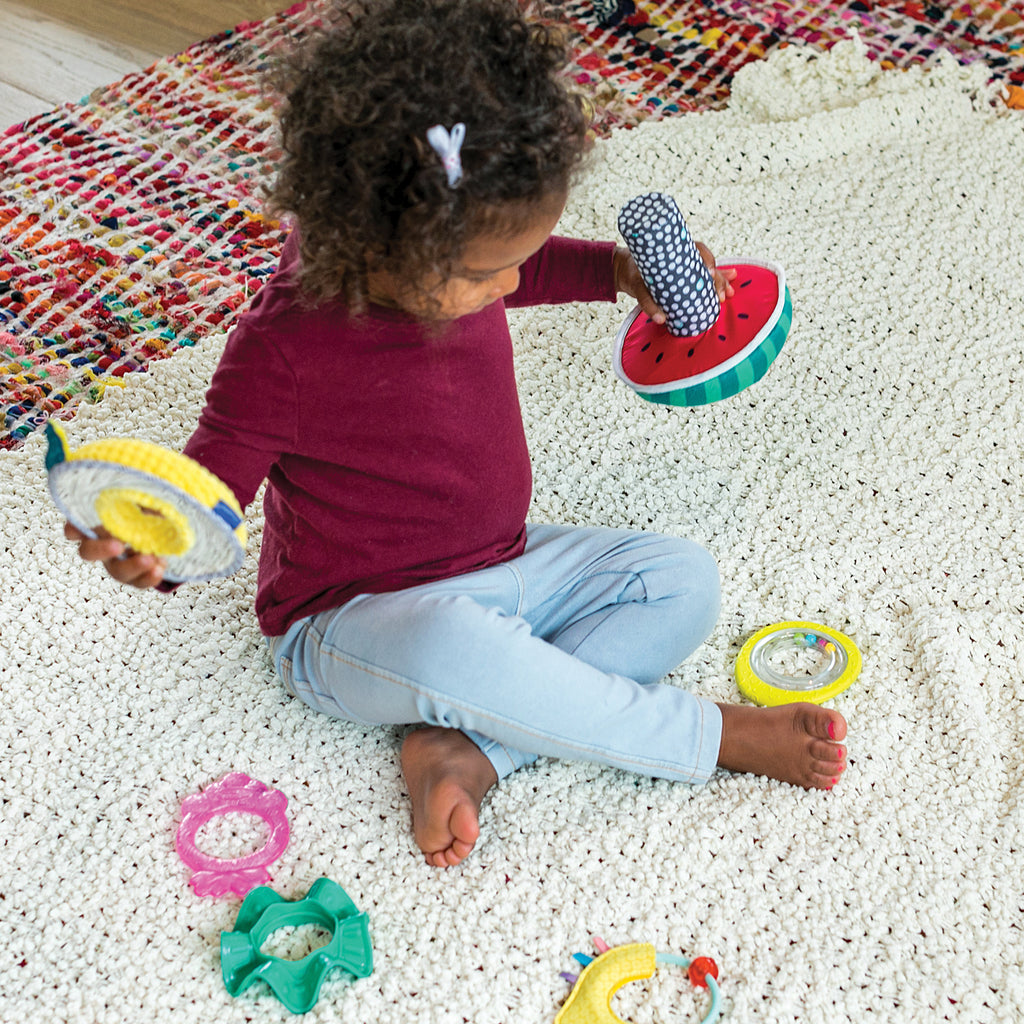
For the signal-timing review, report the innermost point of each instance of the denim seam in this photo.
(520, 587)
(499, 748)
(318, 639)
(609, 611)
(700, 744)
(285, 679)
(520, 600)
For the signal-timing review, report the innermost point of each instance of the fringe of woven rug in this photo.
(131, 223)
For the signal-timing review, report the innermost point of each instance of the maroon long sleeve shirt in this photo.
(394, 451)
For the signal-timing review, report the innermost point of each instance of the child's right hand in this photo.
(723, 278)
(126, 566)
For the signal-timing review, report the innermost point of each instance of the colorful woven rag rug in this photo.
(645, 60)
(131, 223)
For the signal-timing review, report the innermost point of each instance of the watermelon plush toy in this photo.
(706, 351)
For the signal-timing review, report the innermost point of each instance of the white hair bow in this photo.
(448, 147)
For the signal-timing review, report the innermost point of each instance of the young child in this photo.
(428, 150)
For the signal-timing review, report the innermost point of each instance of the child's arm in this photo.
(566, 270)
(247, 421)
(571, 270)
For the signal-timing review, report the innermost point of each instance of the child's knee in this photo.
(706, 577)
(690, 585)
(684, 568)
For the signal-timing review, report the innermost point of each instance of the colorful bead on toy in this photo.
(155, 500)
(235, 792)
(759, 677)
(590, 1001)
(296, 983)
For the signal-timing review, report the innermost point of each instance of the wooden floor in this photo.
(52, 51)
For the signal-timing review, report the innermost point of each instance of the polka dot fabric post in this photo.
(656, 234)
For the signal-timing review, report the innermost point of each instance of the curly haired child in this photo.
(428, 151)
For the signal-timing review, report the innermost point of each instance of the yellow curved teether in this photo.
(591, 999)
(157, 501)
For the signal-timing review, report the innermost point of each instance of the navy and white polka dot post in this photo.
(656, 234)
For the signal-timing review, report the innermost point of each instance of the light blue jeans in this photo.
(557, 652)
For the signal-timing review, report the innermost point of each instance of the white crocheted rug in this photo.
(870, 482)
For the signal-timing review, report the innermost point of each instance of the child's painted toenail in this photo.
(831, 730)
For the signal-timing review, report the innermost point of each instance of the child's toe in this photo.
(833, 724)
(831, 754)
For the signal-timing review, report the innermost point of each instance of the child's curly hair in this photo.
(358, 174)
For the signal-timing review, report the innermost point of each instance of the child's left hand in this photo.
(629, 280)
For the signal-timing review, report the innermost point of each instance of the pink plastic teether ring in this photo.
(235, 792)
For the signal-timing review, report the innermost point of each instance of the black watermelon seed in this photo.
(659, 357)
(743, 316)
(721, 337)
(745, 283)
(690, 353)
(644, 348)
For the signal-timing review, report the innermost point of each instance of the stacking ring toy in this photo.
(296, 983)
(235, 792)
(839, 664)
(590, 1001)
(155, 500)
(706, 351)
(729, 356)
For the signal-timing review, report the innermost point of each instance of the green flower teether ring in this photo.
(295, 982)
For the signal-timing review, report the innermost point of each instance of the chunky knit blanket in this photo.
(870, 482)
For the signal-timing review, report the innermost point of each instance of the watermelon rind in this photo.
(742, 369)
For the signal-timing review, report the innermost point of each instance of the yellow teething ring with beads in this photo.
(759, 678)
(157, 501)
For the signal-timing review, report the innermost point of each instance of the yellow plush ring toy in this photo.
(157, 501)
(758, 675)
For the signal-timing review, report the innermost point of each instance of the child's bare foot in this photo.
(448, 776)
(796, 743)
